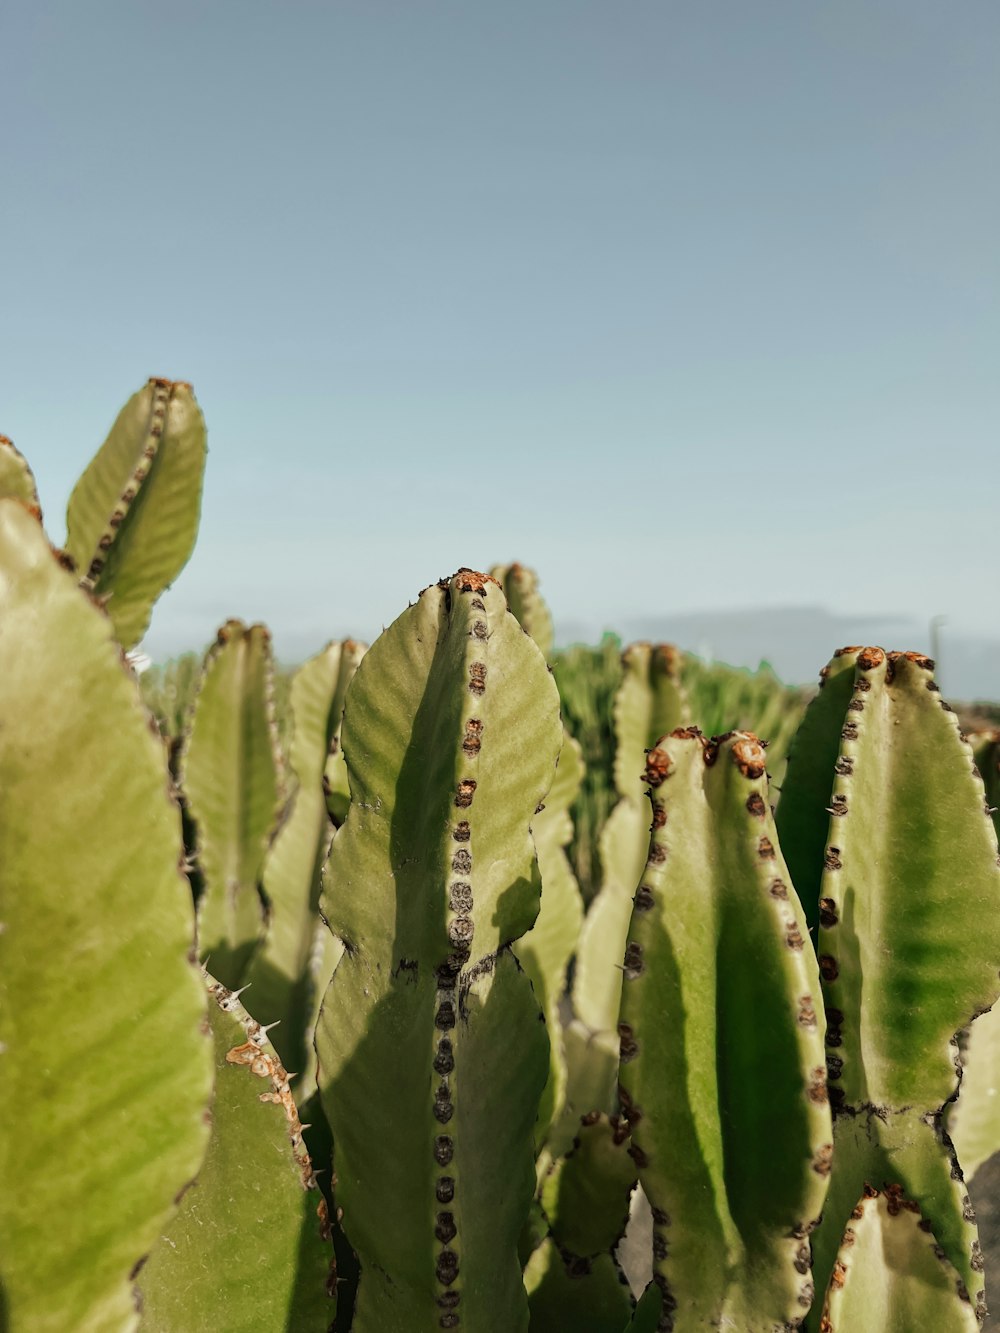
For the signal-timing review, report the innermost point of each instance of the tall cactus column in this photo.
(722, 1072)
(431, 1046)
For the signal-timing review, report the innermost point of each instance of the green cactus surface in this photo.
(106, 1070)
(803, 813)
(909, 938)
(133, 515)
(890, 1274)
(231, 771)
(586, 1194)
(432, 1050)
(722, 1045)
(544, 952)
(520, 585)
(650, 702)
(292, 968)
(585, 1296)
(16, 479)
(250, 1245)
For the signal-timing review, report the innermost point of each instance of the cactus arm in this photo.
(430, 1037)
(544, 952)
(133, 515)
(890, 1274)
(106, 1072)
(803, 815)
(586, 1193)
(722, 1053)
(16, 479)
(910, 934)
(520, 585)
(582, 1296)
(231, 775)
(651, 701)
(250, 1245)
(291, 969)
(986, 756)
(974, 1119)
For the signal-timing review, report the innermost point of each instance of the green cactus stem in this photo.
(544, 952)
(803, 813)
(106, 1073)
(133, 515)
(520, 585)
(650, 702)
(722, 1073)
(890, 1274)
(292, 968)
(432, 1050)
(16, 479)
(250, 1245)
(231, 772)
(909, 938)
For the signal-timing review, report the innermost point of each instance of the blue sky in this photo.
(693, 306)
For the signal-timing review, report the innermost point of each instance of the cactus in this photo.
(891, 1274)
(133, 515)
(16, 479)
(250, 1245)
(721, 1045)
(520, 586)
(232, 776)
(909, 910)
(588, 679)
(432, 1055)
(649, 702)
(544, 952)
(106, 1073)
(292, 967)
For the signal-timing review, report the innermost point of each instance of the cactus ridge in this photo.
(162, 390)
(451, 736)
(721, 1043)
(16, 478)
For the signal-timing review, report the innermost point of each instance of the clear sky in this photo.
(691, 305)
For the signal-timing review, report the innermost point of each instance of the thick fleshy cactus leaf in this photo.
(721, 1042)
(432, 1053)
(133, 515)
(520, 585)
(544, 952)
(891, 1275)
(231, 774)
(909, 940)
(986, 755)
(586, 1194)
(579, 1296)
(16, 480)
(106, 1071)
(292, 968)
(250, 1246)
(650, 702)
(803, 813)
(974, 1119)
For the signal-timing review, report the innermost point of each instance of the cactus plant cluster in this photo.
(315, 1015)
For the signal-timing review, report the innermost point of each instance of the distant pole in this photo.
(936, 623)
